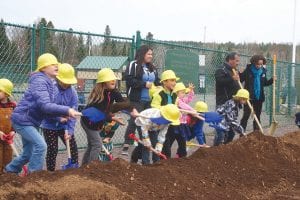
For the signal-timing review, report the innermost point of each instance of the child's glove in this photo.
(9, 138)
(213, 117)
(158, 147)
(147, 142)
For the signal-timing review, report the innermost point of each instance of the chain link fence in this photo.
(20, 47)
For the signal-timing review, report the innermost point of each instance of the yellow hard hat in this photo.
(171, 113)
(154, 89)
(45, 60)
(105, 75)
(6, 86)
(180, 86)
(66, 74)
(242, 93)
(168, 74)
(201, 106)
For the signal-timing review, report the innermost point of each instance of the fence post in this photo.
(138, 40)
(131, 56)
(289, 95)
(278, 86)
(33, 35)
(271, 97)
(42, 39)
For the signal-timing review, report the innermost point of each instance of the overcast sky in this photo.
(225, 20)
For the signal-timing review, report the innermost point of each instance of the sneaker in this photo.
(125, 151)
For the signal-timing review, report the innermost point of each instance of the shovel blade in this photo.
(273, 127)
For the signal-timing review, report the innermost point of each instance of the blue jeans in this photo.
(34, 150)
(219, 137)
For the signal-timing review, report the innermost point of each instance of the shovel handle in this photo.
(133, 137)
(249, 104)
(68, 145)
(107, 152)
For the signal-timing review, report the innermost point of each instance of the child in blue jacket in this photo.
(62, 127)
(37, 103)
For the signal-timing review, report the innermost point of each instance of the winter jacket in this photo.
(247, 77)
(226, 87)
(37, 102)
(66, 97)
(230, 111)
(183, 104)
(110, 96)
(161, 99)
(134, 81)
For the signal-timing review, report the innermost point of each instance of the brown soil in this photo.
(253, 167)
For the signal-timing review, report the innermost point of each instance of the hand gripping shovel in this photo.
(70, 164)
(10, 141)
(133, 137)
(274, 122)
(250, 106)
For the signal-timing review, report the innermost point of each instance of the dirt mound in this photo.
(67, 187)
(253, 167)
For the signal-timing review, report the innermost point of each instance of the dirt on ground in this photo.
(252, 167)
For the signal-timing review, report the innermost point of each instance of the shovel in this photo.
(133, 137)
(274, 122)
(70, 164)
(250, 106)
(13, 147)
(110, 156)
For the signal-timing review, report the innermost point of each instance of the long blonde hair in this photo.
(97, 93)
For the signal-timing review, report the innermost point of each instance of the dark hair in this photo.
(254, 59)
(140, 55)
(231, 56)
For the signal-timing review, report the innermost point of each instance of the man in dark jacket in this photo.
(227, 85)
(255, 79)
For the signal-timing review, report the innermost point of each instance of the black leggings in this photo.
(51, 137)
(257, 106)
(172, 135)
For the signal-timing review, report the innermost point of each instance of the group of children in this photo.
(50, 102)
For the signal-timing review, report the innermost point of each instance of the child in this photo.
(297, 120)
(102, 96)
(6, 108)
(107, 132)
(181, 131)
(160, 98)
(53, 128)
(36, 104)
(230, 112)
(159, 121)
(197, 125)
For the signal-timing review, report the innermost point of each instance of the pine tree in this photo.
(81, 50)
(124, 51)
(114, 51)
(107, 49)
(4, 45)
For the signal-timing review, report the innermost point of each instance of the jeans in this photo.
(34, 150)
(94, 145)
(174, 133)
(219, 137)
(141, 152)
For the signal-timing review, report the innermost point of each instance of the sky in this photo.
(225, 20)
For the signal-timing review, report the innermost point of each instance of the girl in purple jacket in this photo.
(62, 127)
(36, 104)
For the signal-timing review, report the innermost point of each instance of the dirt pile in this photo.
(253, 167)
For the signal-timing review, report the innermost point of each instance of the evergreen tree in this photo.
(4, 45)
(81, 50)
(106, 48)
(124, 51)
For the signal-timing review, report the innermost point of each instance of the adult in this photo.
(227, 85)
(255, 79)
(140, 75)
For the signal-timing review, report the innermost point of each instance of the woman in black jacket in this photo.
(140, 75)
(255, 80)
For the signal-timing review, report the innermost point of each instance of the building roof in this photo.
(99, 62)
